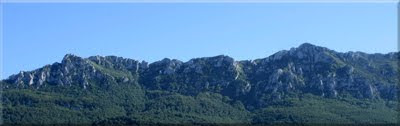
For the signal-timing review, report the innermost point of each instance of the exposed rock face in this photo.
(119, 63)
(76, 70)
(306, 69)
(72, 70)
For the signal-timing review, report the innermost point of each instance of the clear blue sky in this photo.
(40, 34)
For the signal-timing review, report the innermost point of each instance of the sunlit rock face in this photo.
(305, 69)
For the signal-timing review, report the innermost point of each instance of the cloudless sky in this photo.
(40, 34)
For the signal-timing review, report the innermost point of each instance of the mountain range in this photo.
(304, 85)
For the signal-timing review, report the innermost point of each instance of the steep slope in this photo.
(282, 88)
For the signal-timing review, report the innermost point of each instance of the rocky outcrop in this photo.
(72, 70)
(306, 69)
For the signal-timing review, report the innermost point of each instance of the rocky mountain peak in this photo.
(224, 58)
(309, 48)
(166, 66)
(307, 45)
(306, 53)
(71, 58)
(166, 62)
(307, 68)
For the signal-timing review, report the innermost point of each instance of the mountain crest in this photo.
(307, 45)
(307, 68)
(69, 58)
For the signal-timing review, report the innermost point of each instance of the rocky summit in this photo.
(247, 91)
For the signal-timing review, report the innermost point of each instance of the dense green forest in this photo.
(129, 104)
